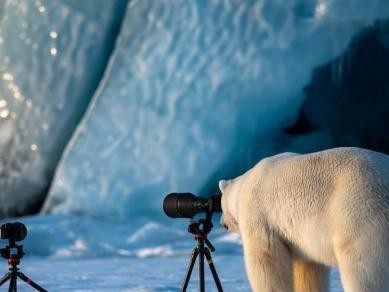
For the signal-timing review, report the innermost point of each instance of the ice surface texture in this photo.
(137, 275)
(52, 56)
(118, 257)
(196, 90)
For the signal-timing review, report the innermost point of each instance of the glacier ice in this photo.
(52, 56)
(196, 90)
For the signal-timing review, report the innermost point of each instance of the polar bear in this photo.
(298, 215)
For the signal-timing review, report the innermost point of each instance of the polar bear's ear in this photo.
(223, 184)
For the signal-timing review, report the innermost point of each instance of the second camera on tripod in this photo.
(13, 231)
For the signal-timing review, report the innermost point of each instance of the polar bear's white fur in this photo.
(299, 214)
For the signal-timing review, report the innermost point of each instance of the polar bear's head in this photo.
(229, 202)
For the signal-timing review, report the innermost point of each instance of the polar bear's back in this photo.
(303, 195)
(322, 179)
(349, 165)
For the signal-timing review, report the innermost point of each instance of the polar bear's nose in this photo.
(222, 223)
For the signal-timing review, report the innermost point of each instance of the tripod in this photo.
(202, 249)
(13, 253)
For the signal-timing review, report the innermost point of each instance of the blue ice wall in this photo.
(52, 56)
(196, 90)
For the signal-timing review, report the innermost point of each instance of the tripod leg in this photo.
(30, 282)
(201, 270)
(12, 283)
(190, 268)
(213, 270)
(4, 279)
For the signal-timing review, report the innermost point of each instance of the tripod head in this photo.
(201, 228)
(12, 252)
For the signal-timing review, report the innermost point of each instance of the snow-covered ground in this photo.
(72, 253)
(134, 274)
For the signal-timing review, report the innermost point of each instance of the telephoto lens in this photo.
(187, 205)
(13, 231)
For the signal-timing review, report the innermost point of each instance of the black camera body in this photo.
(13, 231)
(187, 205)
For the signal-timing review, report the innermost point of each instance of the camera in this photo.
(13, 231)
(187, 205)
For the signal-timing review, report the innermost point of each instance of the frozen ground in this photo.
(71, 253)
(134, 274)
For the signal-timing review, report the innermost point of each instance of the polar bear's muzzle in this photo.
(223, 224)
(229, 223)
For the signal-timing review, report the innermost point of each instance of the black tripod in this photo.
(202, 249)
(13, 253)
